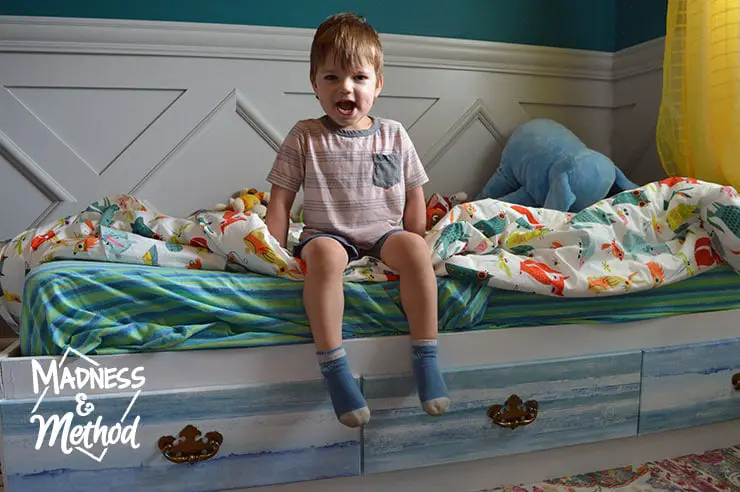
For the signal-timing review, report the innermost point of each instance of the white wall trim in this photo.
(257, 121)
(639, 59)
(476, 112)
(128, 37)
(32, 171)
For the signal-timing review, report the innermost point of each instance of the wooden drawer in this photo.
(271, 434)
(689, 385)
(579, 400)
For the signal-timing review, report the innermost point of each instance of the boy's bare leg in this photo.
(323, 297)
(408, 254)
(323, 293)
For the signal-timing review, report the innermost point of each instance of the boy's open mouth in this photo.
(346, 107)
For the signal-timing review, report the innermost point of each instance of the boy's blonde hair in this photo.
(350, 39)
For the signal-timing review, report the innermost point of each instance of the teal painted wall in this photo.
(587, 24)
(638, 21)
(584, 24)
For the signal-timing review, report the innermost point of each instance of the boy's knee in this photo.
(325, 254)
(413, 244)
(408, 248)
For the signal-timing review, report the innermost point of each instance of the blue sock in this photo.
(429, 381)
(346, 397)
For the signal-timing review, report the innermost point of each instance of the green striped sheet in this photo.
(108, 308)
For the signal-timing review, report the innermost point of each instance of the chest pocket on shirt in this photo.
(386, 169)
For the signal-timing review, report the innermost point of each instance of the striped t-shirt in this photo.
(354, 181)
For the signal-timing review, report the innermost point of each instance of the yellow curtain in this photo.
(698, 132)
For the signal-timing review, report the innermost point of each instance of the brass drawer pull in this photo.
(190, 446)
(736, 381)
(514, 413)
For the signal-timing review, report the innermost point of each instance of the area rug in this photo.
(716, 470)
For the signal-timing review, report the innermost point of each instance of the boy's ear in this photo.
(315, 89)
(379, 85)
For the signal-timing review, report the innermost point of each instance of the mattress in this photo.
(109, 308)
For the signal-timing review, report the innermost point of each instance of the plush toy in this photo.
(248, 200)
(438, 206)
(545, 165)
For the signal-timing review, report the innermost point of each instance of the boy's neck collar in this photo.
(333, 127)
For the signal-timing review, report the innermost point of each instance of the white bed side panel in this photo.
(165, 371)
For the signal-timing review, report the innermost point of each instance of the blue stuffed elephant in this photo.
(544, 164)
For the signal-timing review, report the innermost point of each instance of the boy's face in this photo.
(347, 96)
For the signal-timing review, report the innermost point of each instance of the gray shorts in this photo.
(353, 252)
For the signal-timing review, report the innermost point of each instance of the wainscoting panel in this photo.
(182, 115)
(638, 80)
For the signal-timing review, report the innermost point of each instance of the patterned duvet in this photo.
(634, 242)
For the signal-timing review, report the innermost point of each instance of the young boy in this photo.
(362, 182)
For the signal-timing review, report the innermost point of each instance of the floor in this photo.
(713, 471)
(716, 470)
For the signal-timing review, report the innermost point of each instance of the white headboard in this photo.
(182, 115)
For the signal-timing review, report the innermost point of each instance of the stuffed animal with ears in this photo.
(545, 165)
(247, 200)
(438, 206)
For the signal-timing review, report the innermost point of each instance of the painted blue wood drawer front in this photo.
(689, 385)
(272, 433)
(579, 400)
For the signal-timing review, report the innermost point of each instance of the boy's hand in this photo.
(278, 213)
(415, 216)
